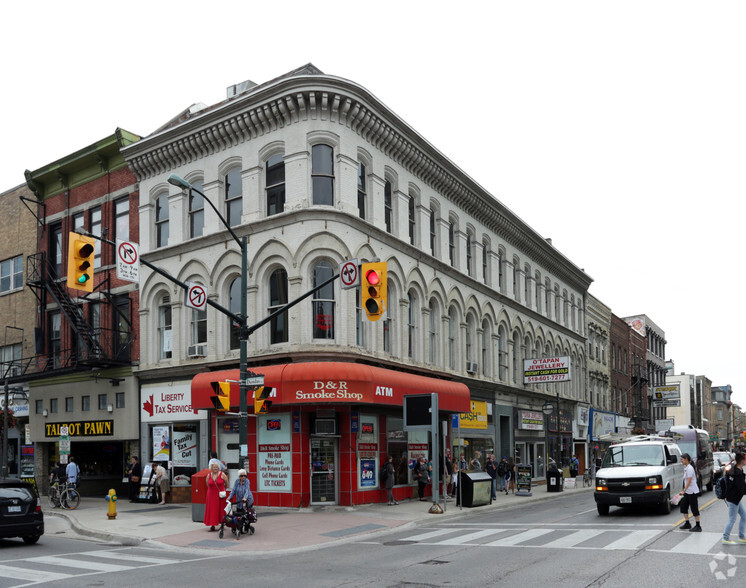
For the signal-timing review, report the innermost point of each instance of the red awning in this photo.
(335, 383)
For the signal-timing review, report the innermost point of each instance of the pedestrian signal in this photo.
(80, 259)
(261, 404)
(222, 398)
(373, 289)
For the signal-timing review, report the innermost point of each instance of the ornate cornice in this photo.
(287, 101)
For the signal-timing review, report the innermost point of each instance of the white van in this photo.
(645, 469)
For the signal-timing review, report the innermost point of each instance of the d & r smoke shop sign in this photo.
(81, 429)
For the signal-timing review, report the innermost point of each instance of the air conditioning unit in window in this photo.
(325, 427)
(197, 351)
(471, 367)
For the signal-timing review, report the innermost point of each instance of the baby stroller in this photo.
(239, 520)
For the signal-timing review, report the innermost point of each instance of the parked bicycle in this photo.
(65, 496)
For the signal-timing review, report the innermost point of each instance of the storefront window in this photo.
(417, 446)
(184, 455)
(396, 447)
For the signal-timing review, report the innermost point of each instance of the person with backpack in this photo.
(574, 465)
(735, 491)
(502, 472)
(388, 477)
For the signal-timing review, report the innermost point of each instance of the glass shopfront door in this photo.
(323, 470)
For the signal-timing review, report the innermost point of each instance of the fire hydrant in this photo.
(111, 498)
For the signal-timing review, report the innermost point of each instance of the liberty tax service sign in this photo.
(163, 403)
(274, 456)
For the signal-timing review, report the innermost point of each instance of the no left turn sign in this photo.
(196, 296)
(349, 273)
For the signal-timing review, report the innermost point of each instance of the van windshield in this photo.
(633, 455)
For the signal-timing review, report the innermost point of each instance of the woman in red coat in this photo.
(214, 502)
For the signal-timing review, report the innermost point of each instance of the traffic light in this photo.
(80, 254)
(222, 399)
(261, 404)
(373, 289)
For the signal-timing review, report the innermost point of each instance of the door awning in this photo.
(334, 383)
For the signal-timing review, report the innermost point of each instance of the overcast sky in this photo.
(617, 129)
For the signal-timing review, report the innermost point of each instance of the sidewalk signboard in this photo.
(523, 479)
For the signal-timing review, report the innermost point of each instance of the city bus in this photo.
(696, 442)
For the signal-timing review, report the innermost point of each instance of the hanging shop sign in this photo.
(530, 420)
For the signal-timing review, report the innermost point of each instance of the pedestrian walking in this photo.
(491, 468)
(736, 484)
(135, 475)
(161, 481)
(474, 464)
(689, 495)
(72, 471)
(390, 479)
(422, 475)
(454, 481)
(574, 465)
(510, 477)
(216, 482)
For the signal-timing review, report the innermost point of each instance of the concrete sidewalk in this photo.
(278, 531)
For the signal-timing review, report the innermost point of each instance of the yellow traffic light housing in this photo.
(261, 404)
(80, 259)
(373, 292)
(222, 399)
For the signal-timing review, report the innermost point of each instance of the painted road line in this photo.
(430, 535)
(88, 566)
(31, 575)
(634, 540)
(519, 538)
(469, 537)
(697, 543)
(574, 538)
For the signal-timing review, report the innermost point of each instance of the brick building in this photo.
(86, 343)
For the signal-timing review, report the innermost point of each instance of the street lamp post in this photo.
(243, 333)
(16, 395)
(548, 409)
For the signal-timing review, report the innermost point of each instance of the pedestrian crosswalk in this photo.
(659, 539)
(53, 568)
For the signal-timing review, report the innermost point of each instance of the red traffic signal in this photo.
(373, 290)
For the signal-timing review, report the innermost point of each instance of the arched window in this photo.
(502, 355)
(322, 174)
(470, 244)
(433, 232)
(388, 208)
(360, 319)
(198, 326)
(411, 324)
(452, 338)
(517, 364)
(278, 297)
(234, 305)
(161, 220)
(433, 332)
(275, 176)
(388, 321)
(411, 219)
(452, 242)
(323, 302)
(233, 197)
(362, 191)
(486, 335)
(196, 210)
(164, 328)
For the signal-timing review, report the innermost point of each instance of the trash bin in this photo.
(554, 480)
(199, 495)
(475, 488)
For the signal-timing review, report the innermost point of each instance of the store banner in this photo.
(168, 403)
(476, 418)
(161, 444)
(368, 478)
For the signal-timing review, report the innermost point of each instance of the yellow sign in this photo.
(476, 418)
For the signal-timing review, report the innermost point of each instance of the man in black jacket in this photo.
(135, 475)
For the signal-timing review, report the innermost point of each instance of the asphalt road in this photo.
(553, 544)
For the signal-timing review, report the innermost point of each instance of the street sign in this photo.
(128, 261)
(196, 296)
(349, 273)
(255, 381)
